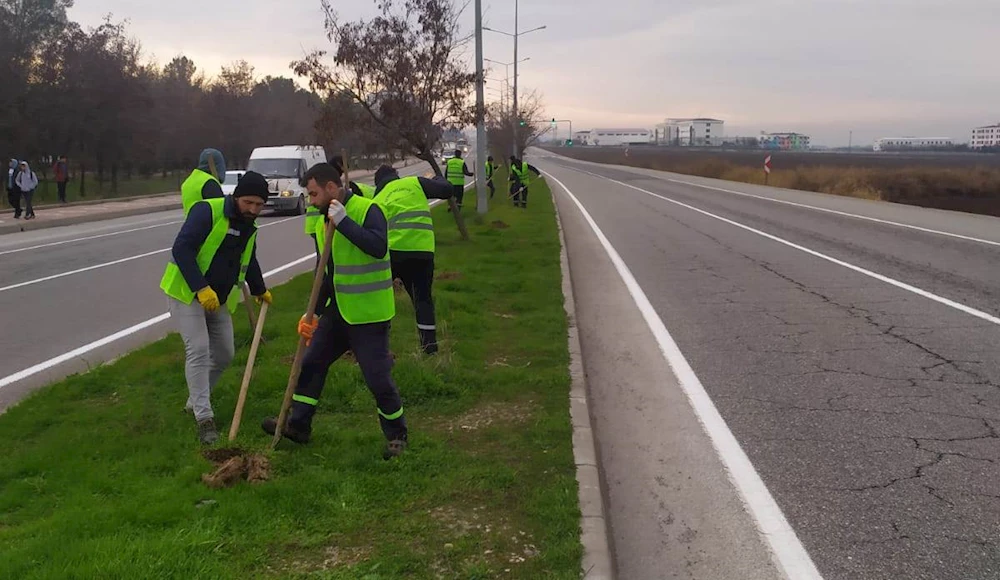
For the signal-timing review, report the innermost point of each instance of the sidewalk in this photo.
(55, 215)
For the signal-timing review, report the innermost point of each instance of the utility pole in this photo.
(850, 141)
(482, 202)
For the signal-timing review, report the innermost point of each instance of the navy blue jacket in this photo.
(224, 270)
(372, 238)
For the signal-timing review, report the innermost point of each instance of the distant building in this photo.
(784, 141)
(581, 138)
(911, 143)
(699, 132)
(614, 137)
(988, 136)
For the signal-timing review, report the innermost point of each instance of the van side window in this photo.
(302, 168)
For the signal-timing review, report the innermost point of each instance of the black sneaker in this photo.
(393, 448)
(291, 431)
(207, 433)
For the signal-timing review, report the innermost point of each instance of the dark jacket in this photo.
(224, 270)
(371, 237)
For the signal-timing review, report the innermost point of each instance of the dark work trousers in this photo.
(417, 274)
(370, 343)
(489, 184)
(520, 194)
(459, 194)
(14, 198)
(29, 211)
(61, 185)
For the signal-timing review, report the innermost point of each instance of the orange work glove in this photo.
(306, 329)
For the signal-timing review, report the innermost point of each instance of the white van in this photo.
(283, 167)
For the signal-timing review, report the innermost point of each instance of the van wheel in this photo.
(301, 207)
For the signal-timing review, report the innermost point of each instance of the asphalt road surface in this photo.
(76, 296)
(849, 346)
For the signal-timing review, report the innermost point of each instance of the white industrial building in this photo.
(615, 137)
(700, 132)
(899, 143)
(988, 136)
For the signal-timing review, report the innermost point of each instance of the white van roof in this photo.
(287, 152)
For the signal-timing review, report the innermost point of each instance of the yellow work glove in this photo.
(209, 299)
(306, 329)
(265, 297)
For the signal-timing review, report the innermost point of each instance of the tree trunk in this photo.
(83, 180)
(114, 178)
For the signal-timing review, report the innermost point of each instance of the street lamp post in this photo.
(515, 36)
(482, 203)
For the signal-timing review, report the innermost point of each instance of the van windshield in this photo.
(281, 168)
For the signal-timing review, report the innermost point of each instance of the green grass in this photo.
(100, 475)
(47, 191)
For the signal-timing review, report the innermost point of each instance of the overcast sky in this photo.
(823, 67)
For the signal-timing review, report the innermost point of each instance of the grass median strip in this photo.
(101, 472)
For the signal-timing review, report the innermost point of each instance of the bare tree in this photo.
(502, 128)
(402, 67)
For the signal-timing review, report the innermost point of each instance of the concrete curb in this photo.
(36, 224)
(597, 562)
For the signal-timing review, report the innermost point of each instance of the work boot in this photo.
(292, 431)
(428, 341)
(393, 448)
(207, 433)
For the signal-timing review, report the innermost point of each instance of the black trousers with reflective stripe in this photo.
(417, 275)
(459, 193)
(370, 344)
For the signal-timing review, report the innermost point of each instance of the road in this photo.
(76, 296)
(847, 346)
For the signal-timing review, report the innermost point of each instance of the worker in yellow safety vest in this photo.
(213, 254)
(519, 180)
(411, 240)
(205, 182)
(491, 169)
(456, 171)
(354, 308)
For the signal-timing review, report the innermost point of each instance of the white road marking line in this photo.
(892, 281)
(50, 244)
(812, 207)
(52, 362)
(106, 264)
(787, 551)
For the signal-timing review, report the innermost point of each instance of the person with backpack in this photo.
(13, 193)
(27, 182)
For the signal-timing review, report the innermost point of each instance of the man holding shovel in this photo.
(355, 306)
(214, 252)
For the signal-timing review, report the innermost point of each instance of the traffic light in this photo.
(522, 123)
(553, 121)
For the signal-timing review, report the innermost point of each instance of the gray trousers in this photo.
(209, 349)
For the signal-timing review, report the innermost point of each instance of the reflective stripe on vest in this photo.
(408, 215)
(521, 173)
(312, 214)
(456, 174)
(363, 284)
(191, 188)
(173, 283)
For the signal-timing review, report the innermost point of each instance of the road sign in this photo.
(767, 164)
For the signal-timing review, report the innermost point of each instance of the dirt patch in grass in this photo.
(233, 465)
(491, 414)
(329, 558)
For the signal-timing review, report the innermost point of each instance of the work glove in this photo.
(265, 297)
(306, 329)
(209, 299)
(337, 212)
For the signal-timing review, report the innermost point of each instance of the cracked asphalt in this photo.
(871, 413)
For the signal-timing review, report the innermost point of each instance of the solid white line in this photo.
(787, 551)
(835, 212)
(892, 281)
(5, 252)
(106, 264)
(52, 362)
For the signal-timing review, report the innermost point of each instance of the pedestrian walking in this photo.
(411, 240)
(355, 307)
(61, 170)
(27, 182)
(13, 193)
(213, 254)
